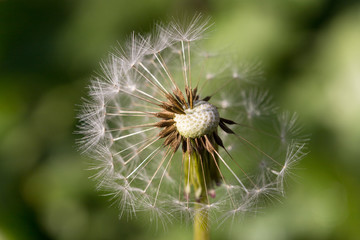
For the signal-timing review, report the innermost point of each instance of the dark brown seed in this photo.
(198, 145)
(170, 138)
(171, 108)
(166, 131)
(226, 128)
(209, 147)
(207, 98)
(189, 96)
(174, 101)
(165, 123)
(176, 142)
(165, 115)
(194, 92)
(188, 144)
(180, 96)
(227, 121)
(218, 140)
(184, 147)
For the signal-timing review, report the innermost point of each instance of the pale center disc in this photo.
(202, 119)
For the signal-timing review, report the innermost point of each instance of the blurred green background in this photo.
(310, 51)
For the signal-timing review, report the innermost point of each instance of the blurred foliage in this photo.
(49, 49)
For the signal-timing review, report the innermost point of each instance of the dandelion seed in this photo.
(175, 137)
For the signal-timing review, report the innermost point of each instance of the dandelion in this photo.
(183, 133)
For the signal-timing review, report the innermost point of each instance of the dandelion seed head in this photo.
(174, 130)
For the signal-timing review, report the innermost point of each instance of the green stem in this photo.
(199, 177)
(201, 223)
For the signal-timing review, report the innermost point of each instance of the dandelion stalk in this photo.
(201, 223)
(197, 176)
(152, 101)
